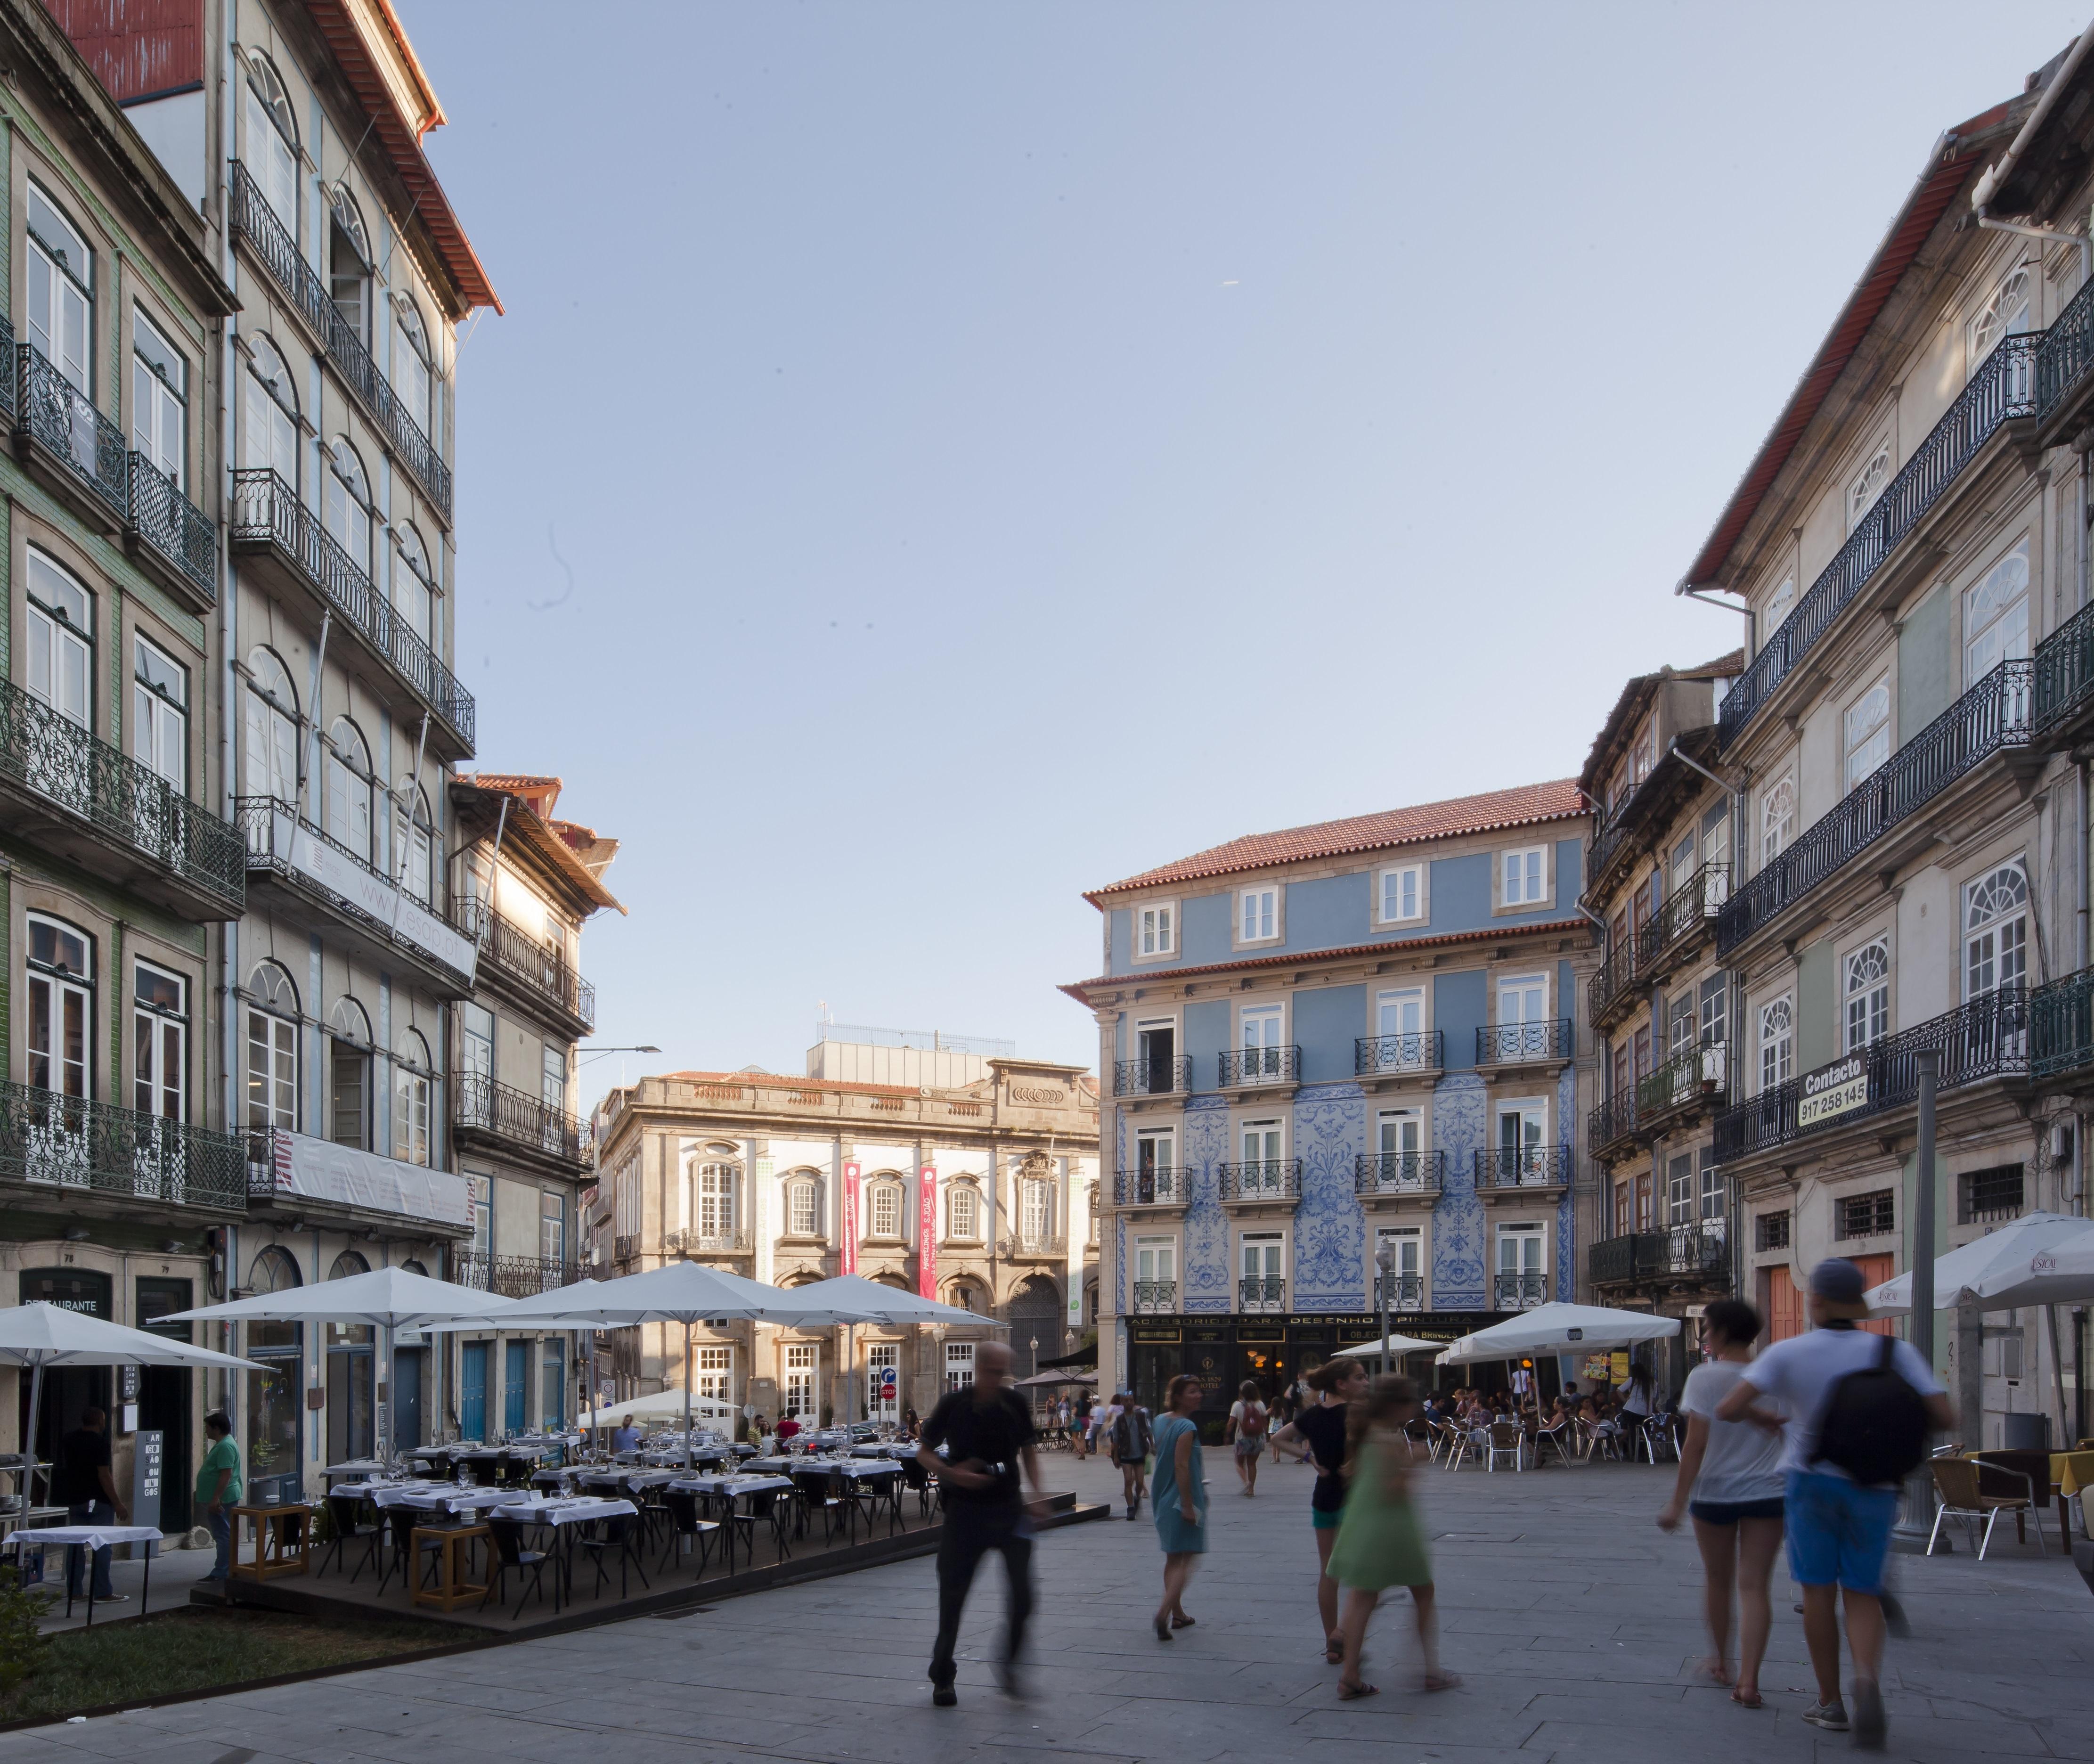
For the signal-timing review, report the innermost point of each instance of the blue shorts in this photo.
(1839, 1532)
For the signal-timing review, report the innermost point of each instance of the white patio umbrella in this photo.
(1395, 1346)
(1560, 1328)
(388, 1299)
(38, 1335)
(663, 1403)
(2041, 1258)
(882, 1304)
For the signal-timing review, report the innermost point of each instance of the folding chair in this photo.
(345, 1516)
(510, 1553)
(682, 1507)
(614, 1535)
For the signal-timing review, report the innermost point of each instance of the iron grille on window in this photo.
(1987, 1197)
(1866, 1215)
(1770, 1231)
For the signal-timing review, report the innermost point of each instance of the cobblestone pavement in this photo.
(1575, 1621)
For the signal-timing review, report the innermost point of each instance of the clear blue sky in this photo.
(999, 449)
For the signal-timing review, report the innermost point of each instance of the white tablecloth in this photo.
(86, 1536)
(442, 1497)
(539, 1511)
(733, 1486)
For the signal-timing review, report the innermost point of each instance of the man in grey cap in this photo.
(1839, 1530)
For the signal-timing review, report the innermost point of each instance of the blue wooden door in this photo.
(472, 1391)
(515, 1381)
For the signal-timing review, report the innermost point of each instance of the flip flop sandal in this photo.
(1351, 1693)
(1183, 1622)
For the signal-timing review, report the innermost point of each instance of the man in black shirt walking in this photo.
(88, 1492)
(987, 1431)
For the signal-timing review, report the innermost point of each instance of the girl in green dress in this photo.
(1380, 1542)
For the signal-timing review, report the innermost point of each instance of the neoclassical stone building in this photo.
(968, 1177)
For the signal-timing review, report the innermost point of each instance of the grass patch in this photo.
(136, 1659)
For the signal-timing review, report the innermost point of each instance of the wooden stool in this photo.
(281, 1537)
(452, 1589)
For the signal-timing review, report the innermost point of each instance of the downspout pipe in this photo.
(1997, 174)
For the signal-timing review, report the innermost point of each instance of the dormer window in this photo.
(1155, 930)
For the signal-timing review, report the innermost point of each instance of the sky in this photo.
(936, 459)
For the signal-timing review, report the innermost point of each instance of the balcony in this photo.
(624, 1247)
(1550, 1043)
(1251, 1068)
(1698, 1252)
(255, 223)
(1033, 1247)
(171, 536)
(96, 1158)
(1610, 1129)
(1152, 1078)
(73, 794)
(1421, 1053)
(1675, 930)
(1155, 1298)
(1159, 1185)
(1509, 1170)
(73, 446)
(2063, 357)
(1613, 985)
(1268, 1181)
(1614, 830)
(2064, 675)
(1399, 1176)
(692, 1241)
(1519, 1291)
(1988, 1038)
(1992, 718)
(511, 1276)
(1406, 1292)
(534, 967)
(289, 859)
(1695, 1077)
(2003, 387)
(1261, 1292)
(2061, 1026)
(515, 1122)
(289, 548)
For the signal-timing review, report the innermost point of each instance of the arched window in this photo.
(710, 1182)
(1777, 1043)
(61, 629)
(1036, 1211)
(1777, 819)
(1995, 932)
(339, 1335)
(411, 1071)
(275, 1403)
(803, 1216)
(2006, 312)
(968, 1296)
(348, 1074)
(412, 1266)
(271, 743)
(413, 367)
(1865, 986)
(883, 1209)
(61, 301)
(963, 1212)
(1868, 483)
(61, 1025)
(415, 844)
(272, 142)
(349, 263)
(414, 583)
(272, 1048)
(350, 787)
(270, 417)
(347, 511)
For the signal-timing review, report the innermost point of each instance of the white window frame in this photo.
(1780, 604)
(1156, 928)
(1776, 1042)
(2012, 298)
(1524, 879)
(160, 1040)
(2004, 635)
(2002, 936)
(892, 1192)
(959, 1364)
(799, 1367)
(802, 1191)
(159, 718)
(1263, 1014)
(963, 1197)
(1865, 732)
(1504, 985)
(1777, 818)
(1400, 886)
(1865, 994)
(1866, 489)
(712, 1370)
(1162, 1247)
(1261, 915)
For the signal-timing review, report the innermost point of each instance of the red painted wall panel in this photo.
(135, 47)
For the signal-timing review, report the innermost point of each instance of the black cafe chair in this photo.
(682, 1507)
(614, 1535)
(509, 1553)
(346, 1516)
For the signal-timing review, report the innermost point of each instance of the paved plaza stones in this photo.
(1574, 1621)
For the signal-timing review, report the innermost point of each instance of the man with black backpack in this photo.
(1860, 1407)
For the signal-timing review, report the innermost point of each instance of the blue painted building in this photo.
(1320, 1041)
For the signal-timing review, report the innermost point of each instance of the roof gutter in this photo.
(1994, 175)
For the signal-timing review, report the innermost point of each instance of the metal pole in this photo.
(1912, 1529)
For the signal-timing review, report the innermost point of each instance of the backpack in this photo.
(1131, 1436)
(1875, 1424)
(1252, 1426)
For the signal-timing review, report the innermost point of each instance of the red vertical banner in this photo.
(849, 1263)
(926, 1232)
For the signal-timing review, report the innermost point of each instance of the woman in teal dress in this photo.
(1380, 1544)
(1178, 1498)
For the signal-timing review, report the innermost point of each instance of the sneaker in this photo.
(1832, 1717)
(944, 1696)
(1869, 1723)
(112, 1598)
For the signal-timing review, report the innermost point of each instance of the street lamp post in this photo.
(1385, 1262)
(1912, 1531)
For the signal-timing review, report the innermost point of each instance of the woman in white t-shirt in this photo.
(1248, 1418)
(1731, 1470)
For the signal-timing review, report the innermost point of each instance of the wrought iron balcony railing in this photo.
(2065, 665)
(1613, 981)
(1987, 1038)
(266, 511)
(255, 221)
(518, 1118)
(1032, 1246)
(1693, 908)
(1261, 1292)
(1159, 1185)
(2066, 353)
(1613, 1123)
(1692, 1075)
(1520, 1292)
(1701, 1250)
(1523, 1166)
(1613, 830)
(1992, 717)
(1421, 1050)
(2061, 1025)
(1525, 1043)
(1260, 1065)
(535, 963)
(1422, 1173)
(124, 800)
(1155, 1297)
(693, 1242)
(625, 1246)
(174, 526)
(1267, 1179)
(71, 1144)
(2003, 387)
(511, 1276)
(1152, 1078)
(1406, 1292)
(58, 416)
(1610, 1260)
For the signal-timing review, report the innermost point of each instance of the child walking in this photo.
(1380, 1542)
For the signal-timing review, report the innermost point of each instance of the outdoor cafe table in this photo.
(91, 1538)
(730, 1489)
(359, 1466)
(536, 1509)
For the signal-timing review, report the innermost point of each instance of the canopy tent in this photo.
(663, 1404)
(1396, 1346)
(38, 1335)
(1560, 1328)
